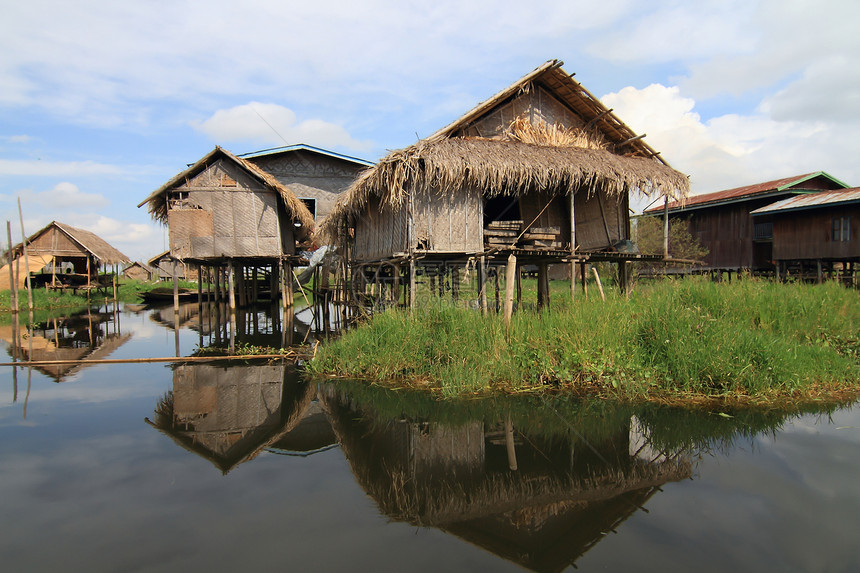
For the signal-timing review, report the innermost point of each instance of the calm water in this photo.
(204, 466)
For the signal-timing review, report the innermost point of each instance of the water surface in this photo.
(209, 466)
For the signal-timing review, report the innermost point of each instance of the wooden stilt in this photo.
(510, 283)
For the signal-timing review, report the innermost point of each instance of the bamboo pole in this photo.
(597, 280)
(482, 284)
(13, 284)
(666, 227)
(510, 282)
(26, 263)
(152, 360)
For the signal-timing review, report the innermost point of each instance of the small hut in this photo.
(163, 269)
(317, 176)
(225, 214)
(64, 256)
(139, 271)
(542, 170)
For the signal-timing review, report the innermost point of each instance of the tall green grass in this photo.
(687, 336)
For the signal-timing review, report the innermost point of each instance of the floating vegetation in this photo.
(688, 340)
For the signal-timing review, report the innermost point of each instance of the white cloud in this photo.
(267, 123)
(66, 195)
(37, 167)
(732, 149)
(16, 138)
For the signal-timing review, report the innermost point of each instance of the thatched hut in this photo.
(139, 271)
(542, 170)
(224, 212)
(64, 256)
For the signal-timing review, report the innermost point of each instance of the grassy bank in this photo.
(128, 291)
(689, 338)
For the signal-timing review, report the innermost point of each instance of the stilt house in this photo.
(317, 176)
(542, 170)
(62, 255)
(723, 224)
(224, 212)
(815, 233)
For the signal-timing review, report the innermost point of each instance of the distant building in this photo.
(723, 224)
(139, 272)
(816, 233)
(60, 254)
(315, 175)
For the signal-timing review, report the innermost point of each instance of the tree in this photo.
(682, 245)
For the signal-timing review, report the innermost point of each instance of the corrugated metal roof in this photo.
(746, 192)
(304, 147)
(811, 201)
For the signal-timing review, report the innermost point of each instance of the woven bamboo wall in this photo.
(591, 232)
(311, 176)
(226, 214)
(449, 221)
(380, 233)
(537, 104)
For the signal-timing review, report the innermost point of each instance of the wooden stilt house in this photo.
(722, 222)
(69, 257)
(814, 235)
(541, 170)
(225, 214)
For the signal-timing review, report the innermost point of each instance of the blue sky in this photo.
(101, 102)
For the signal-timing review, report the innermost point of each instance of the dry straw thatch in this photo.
(528, 158)
(157, 206)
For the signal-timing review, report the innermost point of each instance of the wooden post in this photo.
(583, 272)
(509, 444)
(624, 277)
(13, 284)
(27, 280)
(482, 284)
(411, 283)
(666, 227)
(572, 247)
(455, 283)
(231, 285)
(543, 285)
(510, 283)
(820, 278)
(599, 286)
(175, 288)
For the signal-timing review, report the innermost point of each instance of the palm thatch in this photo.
(506, 167)
(157, 206)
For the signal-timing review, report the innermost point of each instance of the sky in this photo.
(102, 102)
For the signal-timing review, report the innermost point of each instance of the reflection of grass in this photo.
(560, 417)
(689, 338)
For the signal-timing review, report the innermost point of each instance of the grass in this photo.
(128, 291)
(691, 338)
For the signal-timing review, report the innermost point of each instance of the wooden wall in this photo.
(809, 234)
(54, 242)
(227, 213)
(449, 222)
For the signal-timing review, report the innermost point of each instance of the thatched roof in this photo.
(295, 207)
(100, 249)
(604, 155)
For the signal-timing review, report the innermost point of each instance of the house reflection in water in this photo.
(229, 414)
(259, 325)
(90, 335)
(565, 496)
